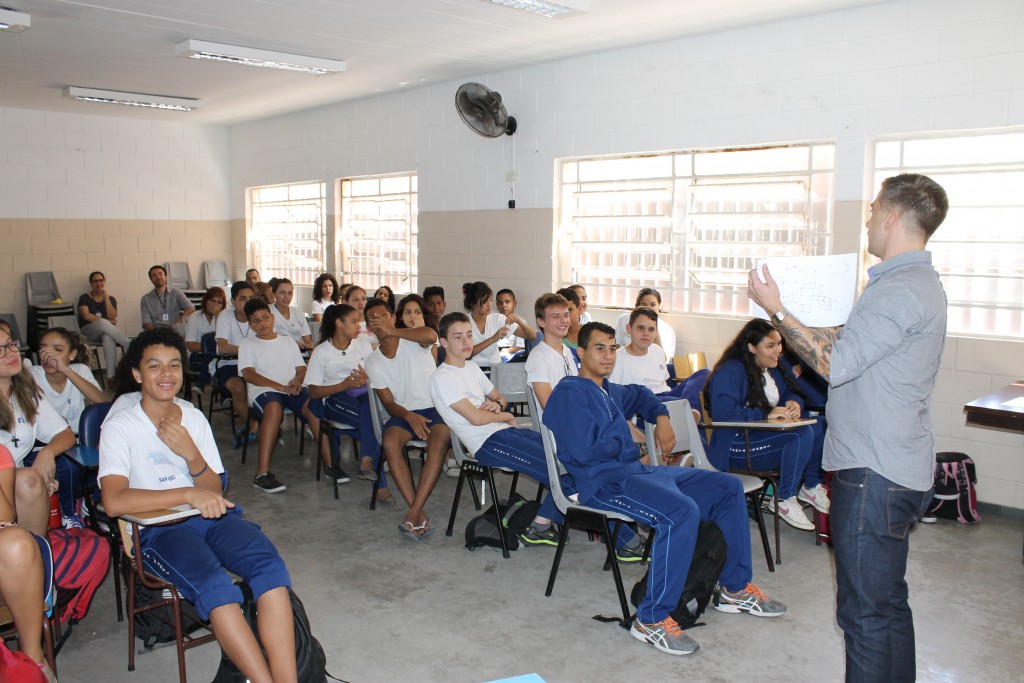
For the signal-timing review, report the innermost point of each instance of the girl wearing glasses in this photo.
(97, 318)
(24, 419)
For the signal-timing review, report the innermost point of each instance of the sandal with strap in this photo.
(408, 530)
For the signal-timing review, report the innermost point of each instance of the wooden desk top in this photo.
(1002, 409)
(772, 425)
(171, 514)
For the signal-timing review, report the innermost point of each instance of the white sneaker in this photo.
(452, 469)
(792, 513)
(817, 496)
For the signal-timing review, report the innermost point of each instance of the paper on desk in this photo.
(818, 290)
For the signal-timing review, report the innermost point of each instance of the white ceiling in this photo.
(389, 44)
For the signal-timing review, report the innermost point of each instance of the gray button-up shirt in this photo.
(883, 368)
(172, 304)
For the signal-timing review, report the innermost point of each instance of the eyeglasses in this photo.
(10, 347)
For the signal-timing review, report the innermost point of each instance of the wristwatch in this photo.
(779, 316)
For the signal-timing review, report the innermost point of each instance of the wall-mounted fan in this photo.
(482, 110)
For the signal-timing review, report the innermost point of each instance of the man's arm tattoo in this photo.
(812, 344)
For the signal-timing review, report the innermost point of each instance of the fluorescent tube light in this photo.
(249, 56)
(551, 10)
(15, 22)
(131, 99)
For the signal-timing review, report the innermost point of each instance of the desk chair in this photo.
(578, 516)
(379, 417)
(469, 468)
(50, 625)
(215, 274)
(510, 381)
(334, 428)
(684, 422)
(179, 275)
(184, 638)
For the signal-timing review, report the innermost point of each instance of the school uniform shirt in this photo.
(329, 365)
(407, 375)
(69, 403)
(232, 331)
(122, 402)
(24, 434)
(196, 325)
(163, 310)
(492, 323)
(544, 364)
(368, 333)
(449, 385)
(295, 326)
(130, 447)
(650, 369)
(665, 331)
(275, 359)
(319, 306)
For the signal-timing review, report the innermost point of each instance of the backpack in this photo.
(18, 667)
(310, 660)
(516, 515)
(157, 625)
(80, 561)
(705, 568)
(955, 497)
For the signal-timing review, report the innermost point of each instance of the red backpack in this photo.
(80, 561)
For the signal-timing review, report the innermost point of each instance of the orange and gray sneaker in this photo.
(666, 635)
(751, 600)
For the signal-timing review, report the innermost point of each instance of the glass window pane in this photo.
(379, 232)
(288, 231)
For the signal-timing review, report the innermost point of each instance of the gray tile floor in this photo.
(386, 609)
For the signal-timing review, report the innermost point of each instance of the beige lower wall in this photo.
(122, 249)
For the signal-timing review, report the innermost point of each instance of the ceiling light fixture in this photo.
(551, 10)
(15, 22)
(250, 56)
(130, 99)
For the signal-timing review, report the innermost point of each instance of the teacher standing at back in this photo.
(881, 367)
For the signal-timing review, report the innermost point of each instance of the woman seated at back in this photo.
(160, 453)
(24, 419)
(21, 571)
(746, 385)
(325, 295)
(289, 321)
(489, 326)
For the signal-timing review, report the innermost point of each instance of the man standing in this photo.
(881, 368)
(164, 306)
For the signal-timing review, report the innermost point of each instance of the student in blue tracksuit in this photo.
(747, 385)
(586, 414)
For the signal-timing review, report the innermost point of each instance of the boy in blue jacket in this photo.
(587, 415)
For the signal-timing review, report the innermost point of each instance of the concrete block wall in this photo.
(85, 192)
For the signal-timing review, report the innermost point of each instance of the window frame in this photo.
(283, 260)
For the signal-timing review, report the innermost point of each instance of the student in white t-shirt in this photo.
(355, 296)
(643, 362)
(477, 413)
(551, 360)
(289, 321)
(338, 383)
(573, 333)
(232, 330)
(199, 324)
(581, 292)
(489, 327)
(160, 453)
(25, 418)
(399, 372)
(505, 302)
(67, 382)
(648, 297)
(273, 370)
(325, 295)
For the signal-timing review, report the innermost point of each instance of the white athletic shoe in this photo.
(792, 513)
(817, 497)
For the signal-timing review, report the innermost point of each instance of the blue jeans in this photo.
(871, 517)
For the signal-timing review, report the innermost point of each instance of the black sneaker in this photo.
(629, 554)
(337, 473)
(532, 536)
(268, 483)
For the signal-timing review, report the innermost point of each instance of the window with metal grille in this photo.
(379, 233)
(979, 248)
(691, 224)
(288, 231)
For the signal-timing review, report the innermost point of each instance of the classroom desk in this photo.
(1002, 409)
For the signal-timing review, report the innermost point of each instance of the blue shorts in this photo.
(226, 372)
(294, 403)
(196, 555)
(429, 413)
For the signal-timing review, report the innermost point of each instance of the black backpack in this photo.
(515, 516)
(705, 568)
(954, 496)
(157, 625)
(310, 660)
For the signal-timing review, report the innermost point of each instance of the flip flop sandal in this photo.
(409, 531)
(424, 530)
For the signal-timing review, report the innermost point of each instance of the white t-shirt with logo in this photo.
(130, 447)
(275, 359)
(48, 424)
(546, 365)
(232, 331)
(650, 370)
(69, 403)
(448, 386)
(407, 375)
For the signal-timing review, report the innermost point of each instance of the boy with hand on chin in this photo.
(273, 369)
(476, 412)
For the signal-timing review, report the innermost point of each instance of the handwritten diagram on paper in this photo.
(818, 290)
